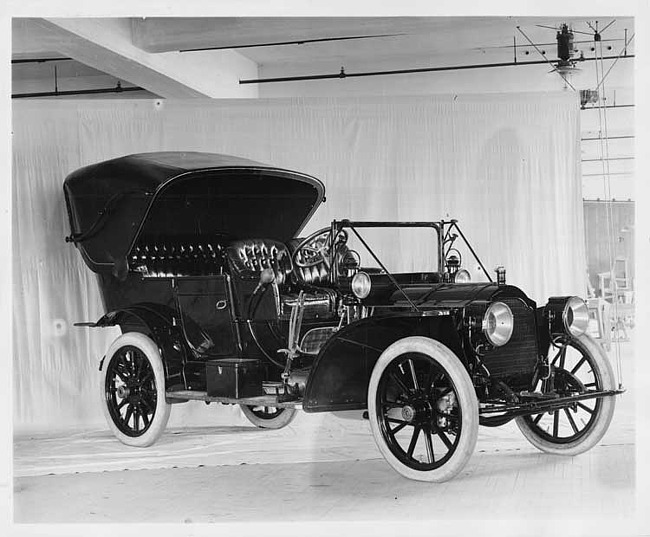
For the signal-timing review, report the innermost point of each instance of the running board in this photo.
(543, 405)
(261, 400)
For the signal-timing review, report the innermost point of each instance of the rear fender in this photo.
(160, 324)
(341, 373)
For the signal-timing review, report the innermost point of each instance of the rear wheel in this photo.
(423, 410)
(269, 417)
(580, 365)
(132, 390)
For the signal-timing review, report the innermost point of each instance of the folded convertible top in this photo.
(176, 195)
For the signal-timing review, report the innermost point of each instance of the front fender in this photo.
(341, 373)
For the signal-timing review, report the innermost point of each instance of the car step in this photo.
(261, 400)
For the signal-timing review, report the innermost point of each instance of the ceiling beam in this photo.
(106, 44)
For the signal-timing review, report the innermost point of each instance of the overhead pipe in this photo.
(41, 60)
(343, 74)
(118, 89)
(283, 43)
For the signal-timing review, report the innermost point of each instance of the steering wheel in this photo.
(314, 249)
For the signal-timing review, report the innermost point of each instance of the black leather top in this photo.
(167, 195)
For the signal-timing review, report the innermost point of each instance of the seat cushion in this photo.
(193, 256)
(319, 274)
(249, 257)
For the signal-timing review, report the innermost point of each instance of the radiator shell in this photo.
(518, 356)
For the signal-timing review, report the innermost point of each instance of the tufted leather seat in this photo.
(177, 258)
(317, 275)
(249, 257)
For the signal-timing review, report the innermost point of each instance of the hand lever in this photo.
(267, 277)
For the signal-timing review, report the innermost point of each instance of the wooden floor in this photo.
(327, 470)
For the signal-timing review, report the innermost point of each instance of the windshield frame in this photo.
(446, 235)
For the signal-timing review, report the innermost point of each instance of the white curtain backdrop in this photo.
(506, 166)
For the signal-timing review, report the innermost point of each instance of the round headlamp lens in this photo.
(361, 285)
(575, 316)
(462, 276)
(498, 323)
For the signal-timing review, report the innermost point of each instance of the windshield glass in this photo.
(399, 249)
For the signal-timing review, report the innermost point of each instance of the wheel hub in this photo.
(123, 391)
(416, 412)
(408, 413)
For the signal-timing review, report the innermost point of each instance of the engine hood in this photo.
(443, 295)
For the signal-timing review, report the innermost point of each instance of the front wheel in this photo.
(423, 410)
(268, 417)
(132, 390)
(580, 365)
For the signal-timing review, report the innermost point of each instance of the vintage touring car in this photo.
(200, 265)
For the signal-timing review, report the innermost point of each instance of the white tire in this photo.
(575, 430)
(132, 390)
(422, 387)
(266, 417)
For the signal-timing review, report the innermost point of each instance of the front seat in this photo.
(249, 257)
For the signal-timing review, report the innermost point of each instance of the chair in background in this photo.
(600, 323)
(616, 285)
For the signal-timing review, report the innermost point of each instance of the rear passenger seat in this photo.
(177, 258)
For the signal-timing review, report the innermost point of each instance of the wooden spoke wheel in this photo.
(580, 366)
(132, 390)
(423, 410)
(269, 417)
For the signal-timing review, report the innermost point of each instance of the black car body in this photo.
(199, 263)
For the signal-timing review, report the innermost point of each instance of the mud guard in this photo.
(159, 323)
(341, 373)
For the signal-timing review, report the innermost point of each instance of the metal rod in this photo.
(608, 174)
(405, 71)
(455, 225)
(598, 200)
(608, 106)
(615, 61)
(520, 46)
(579, 32)
(390, 276)
(297, 42)
(73, 92)
(541, 405)
(41, 60)
(348, 223)
(610, 138)
(605, 28)
(603, 159)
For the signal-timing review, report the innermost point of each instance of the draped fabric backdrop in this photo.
(506, 166)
